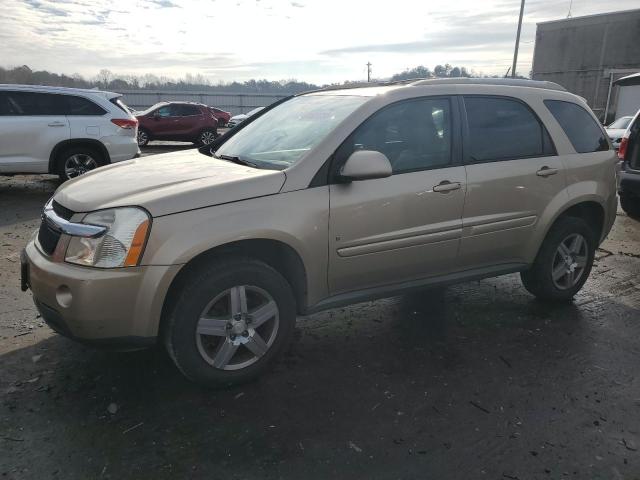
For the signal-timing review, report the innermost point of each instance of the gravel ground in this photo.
(469, 382)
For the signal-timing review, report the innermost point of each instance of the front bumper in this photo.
(119, 307)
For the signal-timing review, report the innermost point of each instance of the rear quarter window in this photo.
(82, 106)
(584, 133)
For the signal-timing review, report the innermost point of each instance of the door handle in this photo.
(57, 124)
(546, 172)
(446, 186)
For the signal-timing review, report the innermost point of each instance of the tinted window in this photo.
(164, 111)
(82, 106)
(6, 107)
(31, 103)
(503, 129)
(414, 135)
(184, 110)
(583, 131)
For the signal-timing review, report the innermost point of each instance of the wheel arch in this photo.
(77, 142)
(591, 209)
(275, 253)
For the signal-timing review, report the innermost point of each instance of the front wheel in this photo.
(207, 137)
(230, 320)
(564, 261)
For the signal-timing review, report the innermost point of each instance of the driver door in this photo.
(407, 226)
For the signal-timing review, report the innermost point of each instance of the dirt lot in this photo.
(475, 381)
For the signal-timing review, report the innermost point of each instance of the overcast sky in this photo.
(318, 41)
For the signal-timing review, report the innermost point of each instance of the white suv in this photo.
(63, 131)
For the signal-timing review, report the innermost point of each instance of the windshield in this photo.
(280, 137)
(621, 123)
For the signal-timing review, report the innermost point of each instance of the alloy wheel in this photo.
(237, 327)
(78, 164)
(143, 138)
(570, 261)
(206, 138)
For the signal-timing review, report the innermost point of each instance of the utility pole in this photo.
(515, 53)
(368, 72)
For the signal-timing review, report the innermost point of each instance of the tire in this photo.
(211, 342)
(206, 137)
(143, 137)
(75, 161)
(540, 281)
(631, 206)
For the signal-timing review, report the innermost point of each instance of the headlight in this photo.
(122, 244)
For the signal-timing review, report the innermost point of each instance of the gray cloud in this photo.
(46, 8)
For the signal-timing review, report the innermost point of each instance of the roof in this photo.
(58, 89)
(633, 79)
(373, 88)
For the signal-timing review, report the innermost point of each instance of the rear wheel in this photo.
(207, 137)
(630, 205)
(76, 161)
(230, 320)
(564, 261)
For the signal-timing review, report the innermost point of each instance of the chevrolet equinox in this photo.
(326, 198)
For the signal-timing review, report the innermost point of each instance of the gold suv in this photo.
(325, 199)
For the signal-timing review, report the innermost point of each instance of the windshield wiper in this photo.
(234, 159)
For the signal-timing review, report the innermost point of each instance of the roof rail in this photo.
(514, 82)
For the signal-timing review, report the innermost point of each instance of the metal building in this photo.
(588, 54)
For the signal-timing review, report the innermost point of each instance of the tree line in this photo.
(105, 79)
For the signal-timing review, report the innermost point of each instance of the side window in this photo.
(504, 129)
(583, 131)
(165, 111)
(33, 103)
(184, 110)
(6, 107)
(82, 106)
(414, 135)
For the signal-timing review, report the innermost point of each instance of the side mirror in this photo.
(156, 114)
(366, 165)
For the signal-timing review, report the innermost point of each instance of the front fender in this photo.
(298, 219)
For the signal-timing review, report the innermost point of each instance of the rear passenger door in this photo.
(513, 174)
(31, 124)
(187, 120)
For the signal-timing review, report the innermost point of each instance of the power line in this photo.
(368, 71)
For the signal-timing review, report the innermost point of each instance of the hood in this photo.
(168, 183)
(242, 116)
(615, 132)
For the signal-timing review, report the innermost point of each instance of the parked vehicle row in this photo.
(616, 130)
(325, 199)
(63, 131)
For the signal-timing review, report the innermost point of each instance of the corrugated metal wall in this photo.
(231, 102)
(586, 54)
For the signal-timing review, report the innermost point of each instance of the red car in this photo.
(222, 116)
(180, 121)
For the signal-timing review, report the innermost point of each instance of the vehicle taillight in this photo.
(125, 123)
(623, 147)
